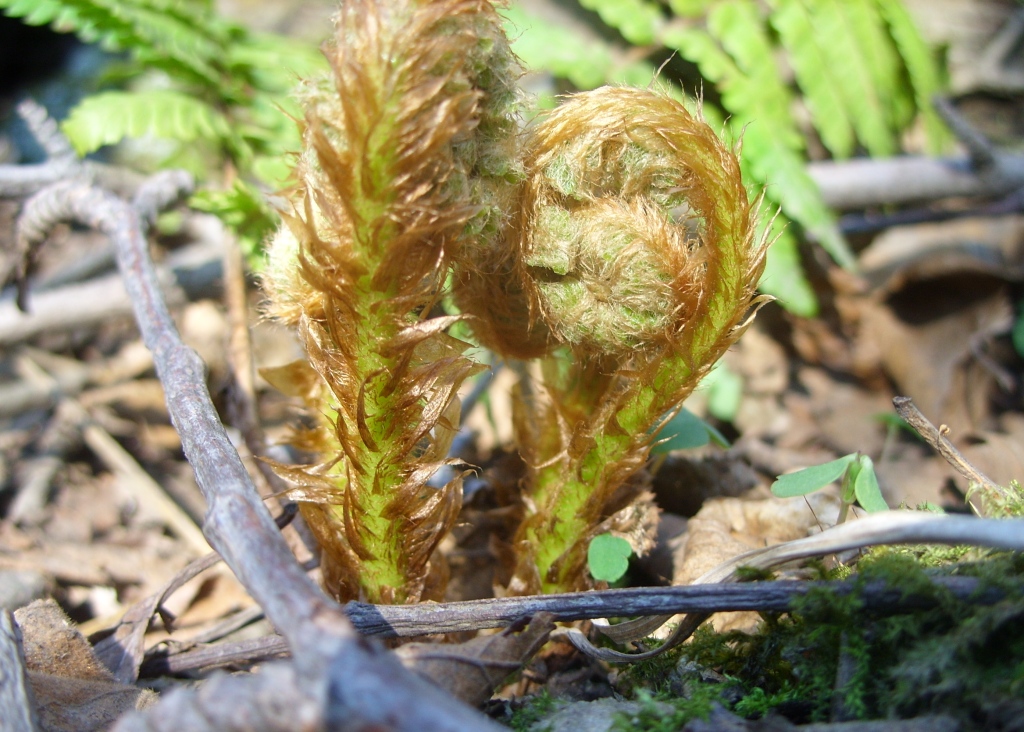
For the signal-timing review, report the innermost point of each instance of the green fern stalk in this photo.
(408, 147)
(635, 250)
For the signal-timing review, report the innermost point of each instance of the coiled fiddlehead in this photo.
(634, 251)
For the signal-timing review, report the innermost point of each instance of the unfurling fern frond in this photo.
(408, 149)
(636, 249)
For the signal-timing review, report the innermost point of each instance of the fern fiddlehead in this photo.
(636, 252)
(394, 181)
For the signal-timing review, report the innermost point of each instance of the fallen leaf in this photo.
(727, 527)
(74, 692)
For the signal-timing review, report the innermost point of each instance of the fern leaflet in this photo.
(814, 73)
(884, 63)
(737, 28)
(109, 117)
(924, 75)
(848, 66)
(637, 20)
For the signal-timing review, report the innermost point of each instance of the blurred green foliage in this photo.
(218, 93)
(858, 68)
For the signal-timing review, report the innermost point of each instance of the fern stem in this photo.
(638, 254)
(407, 150)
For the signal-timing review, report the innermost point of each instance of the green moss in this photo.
(659, 714)
(533, 710)
(954, 658)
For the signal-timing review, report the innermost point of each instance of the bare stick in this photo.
(348, 680)
(937, 439)
(191, 271)
(17, 706)
(858, 184)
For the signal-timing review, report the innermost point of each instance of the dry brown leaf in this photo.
(73, 690)
(762, 363)
(727, 527)
(845, 416)
(913, 476)
(939, 293)
(83, 705)
(471, 671)
(934, 362)
(53, 644)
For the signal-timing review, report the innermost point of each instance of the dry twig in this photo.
(936, 437)
(406, 621)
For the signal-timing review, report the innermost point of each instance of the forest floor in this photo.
(99, 510)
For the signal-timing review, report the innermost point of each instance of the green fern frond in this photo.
(737, 27)
(586, 64)
(814, 73)
(637, 20)
(108, 118)
(789, 185)
(883, 60)
(848, 65)
(922, 69)
(181, 37)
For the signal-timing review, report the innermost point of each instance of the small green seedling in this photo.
(860, 484)
(686, 431)
(608, 557)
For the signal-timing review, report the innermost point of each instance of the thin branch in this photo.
(190, 272)
(17, 705)
(935, 437)
(350, 682)
(867, 183)
(63, 164)
(46, 131)
(406, 621)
